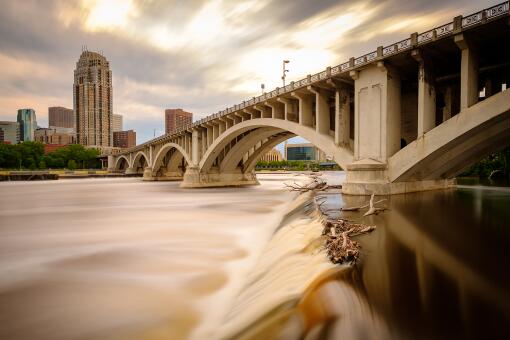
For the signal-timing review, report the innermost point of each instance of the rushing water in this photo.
(125, 259)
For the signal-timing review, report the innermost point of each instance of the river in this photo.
(126, 259)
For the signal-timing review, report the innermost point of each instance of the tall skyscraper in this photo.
(176, 118)
(27, 124)
(93, 100)
(117, 122)
(59, 116)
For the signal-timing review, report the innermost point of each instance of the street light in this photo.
(284, 71)
(262, 87)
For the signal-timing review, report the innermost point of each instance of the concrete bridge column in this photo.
(130, 171)
(290, 113)
(216, 131)
(342, 117)
(321, 110)
(305, 108)
(111, 163)
(426, 95)
(377, 129)
(222, 126)
(265, 112)
(195, 155)
(468, 72)
(277, 110)
(209, 135)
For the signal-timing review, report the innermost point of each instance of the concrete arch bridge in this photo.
(405, 117)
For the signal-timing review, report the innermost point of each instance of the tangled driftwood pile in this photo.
(339, 245)
(316, 184)
(341, 248)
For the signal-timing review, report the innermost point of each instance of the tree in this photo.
(71, 164)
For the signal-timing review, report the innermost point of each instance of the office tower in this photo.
(93, 100)
(59, 116)
(124, 139)
(176, 118)
(117, 122)
(27, 124)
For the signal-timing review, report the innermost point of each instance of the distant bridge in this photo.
(405, 117)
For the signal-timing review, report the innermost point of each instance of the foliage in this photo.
(30, 155)
(496, 164)
(71, 164)
(289, 165)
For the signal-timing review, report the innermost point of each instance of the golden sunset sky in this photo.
(202, 56)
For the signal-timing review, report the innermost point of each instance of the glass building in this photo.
(300, 152)
(27, 124)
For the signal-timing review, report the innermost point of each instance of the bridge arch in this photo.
(446, 150)
(140, 161)
(265, 129)
(122, 163)
(170, 161)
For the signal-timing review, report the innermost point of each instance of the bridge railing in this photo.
(459, 24)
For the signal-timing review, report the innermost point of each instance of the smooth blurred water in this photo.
(436, 267)
(122, 258)
(126, 259)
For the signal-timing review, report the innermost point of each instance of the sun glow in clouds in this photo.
(108, 14)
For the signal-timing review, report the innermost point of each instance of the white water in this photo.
(126, 259)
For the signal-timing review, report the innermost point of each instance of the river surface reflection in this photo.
(435, 268)
(124, 259)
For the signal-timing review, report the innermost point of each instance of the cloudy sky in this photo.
(202, 56)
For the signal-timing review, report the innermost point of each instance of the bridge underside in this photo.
(408, 121)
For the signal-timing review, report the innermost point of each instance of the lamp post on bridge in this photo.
(284, 71)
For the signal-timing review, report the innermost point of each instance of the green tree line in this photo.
(496, 164)
(290, 165)
(30, 155)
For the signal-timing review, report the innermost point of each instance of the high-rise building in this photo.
(59, 116)
(27, 124)
(124, 139)
(117, 122)
(176, 118)
(93, 100)
(11, 131)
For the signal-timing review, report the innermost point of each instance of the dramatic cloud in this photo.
(200, 55)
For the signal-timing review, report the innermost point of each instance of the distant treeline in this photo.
(30, 155)
(293, 165)
(494, 165)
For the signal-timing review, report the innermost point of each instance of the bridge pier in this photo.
(403, 118)
(193, 178)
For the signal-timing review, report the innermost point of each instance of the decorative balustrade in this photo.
(439, 32)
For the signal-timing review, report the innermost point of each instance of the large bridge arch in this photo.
(140, 161)
(270, 127)
(168, 162)
(122, 163)
(446, 150)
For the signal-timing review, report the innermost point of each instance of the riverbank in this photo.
(36, 175)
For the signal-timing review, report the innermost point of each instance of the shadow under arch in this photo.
(459, 142)
(261, 130)
(170, 162)
(140, 162)
(122, 163)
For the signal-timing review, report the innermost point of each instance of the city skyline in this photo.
(231, 51)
